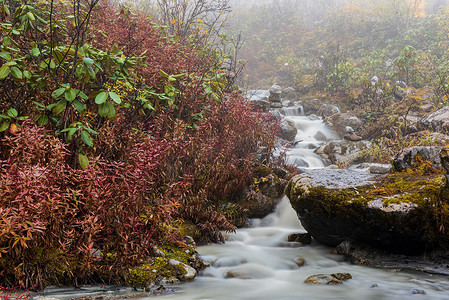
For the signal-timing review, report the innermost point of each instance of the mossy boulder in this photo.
(264, 193)
(173, 264)
(403, 212)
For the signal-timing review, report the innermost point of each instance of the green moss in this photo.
(159, 269)
(429, 193)
(262, 171)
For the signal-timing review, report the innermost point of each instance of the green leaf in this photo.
(43, 120)
(16, 73)
(10, 63)
(12, 113)
(115, 97)
(35, 52)
(163, 73)
(70, 134)
(58, 56)
(27, 74)
(60, 107)
(5, 55)
(30, 16)
(83, 95)
(70, 94)
(88, 61)
(83, 160)
(101, 98)
(39, 105)
(4, 71)
(103, 109)
(4, 126)
(111, 114)
(90, 130)
(57, 93)
(79, 106)
(85, 136)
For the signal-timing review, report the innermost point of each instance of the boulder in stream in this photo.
(332, 279)
(395, 212)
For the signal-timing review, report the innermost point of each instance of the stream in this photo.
(259, 263)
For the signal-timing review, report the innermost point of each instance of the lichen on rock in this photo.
(402, 212)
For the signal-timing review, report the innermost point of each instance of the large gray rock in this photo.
(406, 158)
(394, 212)
(342, 151)
(287, 127)
(437, 121)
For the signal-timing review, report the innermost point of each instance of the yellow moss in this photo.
(428, 191)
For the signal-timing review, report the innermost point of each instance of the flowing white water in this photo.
(311, 134)
(258, 263)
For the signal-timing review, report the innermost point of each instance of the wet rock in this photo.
(178, 264)
(349, 129)
(292, 111)
(303, 238)
(437, 121)
(288, 130)
(342, 276)
(340, 122)
(262, 200)
(406, 158)
(276, 105)
(319, 136)
(300, 261)
(157, 252)
(373, 168)
(352, 137)
(275, 94)
(418, 292)
(323, 279)
(327, 110)
(392, 212)
(433, 262)
(342, 151)
(311, 106)
(187, 274)
(380, 168)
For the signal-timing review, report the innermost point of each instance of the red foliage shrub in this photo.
(61, 224)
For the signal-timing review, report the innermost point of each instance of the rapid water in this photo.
(311, 135)
(259, 263)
